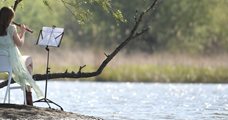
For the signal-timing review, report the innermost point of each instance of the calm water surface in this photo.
(138, 101)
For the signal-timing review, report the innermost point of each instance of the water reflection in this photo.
(139, 101)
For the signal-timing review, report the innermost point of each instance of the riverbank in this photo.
(138, 67)
(21, 112)
(166, 68)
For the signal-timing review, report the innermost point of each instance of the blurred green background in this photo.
(185, 36)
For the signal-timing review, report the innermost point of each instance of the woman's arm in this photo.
(18, 38)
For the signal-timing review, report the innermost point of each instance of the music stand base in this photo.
(48, 101)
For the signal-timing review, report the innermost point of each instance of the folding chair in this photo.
(6, 67)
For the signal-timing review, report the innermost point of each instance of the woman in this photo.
(10, 40)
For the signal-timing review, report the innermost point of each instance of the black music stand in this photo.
(49, 37)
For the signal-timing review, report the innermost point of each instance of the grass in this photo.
(165, 73)
(138, 67)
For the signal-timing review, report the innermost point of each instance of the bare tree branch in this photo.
(15, 4)
(80, 69)
(133, 34)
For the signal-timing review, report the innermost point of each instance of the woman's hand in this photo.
(19, 37)
(22, 28)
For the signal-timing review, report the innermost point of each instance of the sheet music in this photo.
(50, 36)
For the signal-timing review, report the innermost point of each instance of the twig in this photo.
(80, 68)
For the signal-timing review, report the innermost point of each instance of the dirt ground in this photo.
(22, 112)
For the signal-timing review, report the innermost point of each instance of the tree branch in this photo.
(15, 4)
(133, 34)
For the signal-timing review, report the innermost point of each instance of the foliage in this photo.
(82, 10)
(192, 26)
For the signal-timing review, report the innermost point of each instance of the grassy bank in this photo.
(157, 73)
(165, 73)
(140, 67)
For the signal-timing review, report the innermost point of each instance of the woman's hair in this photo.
(6, 15)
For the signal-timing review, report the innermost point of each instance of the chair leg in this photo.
(9, 83)
(6, 94)
(9, 96)
(8, 89)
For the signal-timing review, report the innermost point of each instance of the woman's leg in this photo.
(29, 65)
(29, 95)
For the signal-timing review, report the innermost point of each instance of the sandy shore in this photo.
(21, 112)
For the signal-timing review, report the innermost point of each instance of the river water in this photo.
(137, 101)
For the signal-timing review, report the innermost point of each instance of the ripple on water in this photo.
(139, 101)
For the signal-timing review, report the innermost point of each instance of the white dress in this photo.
(20, 72)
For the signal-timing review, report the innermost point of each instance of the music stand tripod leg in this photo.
(45, 97)
(45, 36)
(55, 104)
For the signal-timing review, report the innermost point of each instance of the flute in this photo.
(29, 30)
